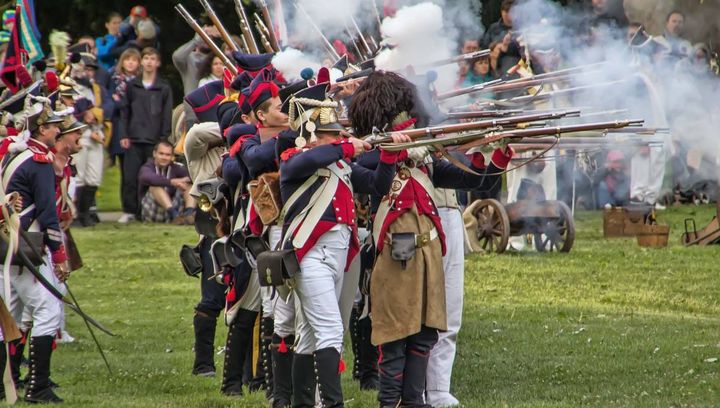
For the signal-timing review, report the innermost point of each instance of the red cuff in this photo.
(502, 158)
(389, 157)
(478, 160)
(348, 150)
(59, 256)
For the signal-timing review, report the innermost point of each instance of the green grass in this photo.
(609, 324)
(108, 196)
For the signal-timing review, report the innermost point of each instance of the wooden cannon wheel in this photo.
(556, 234)
(493, 225)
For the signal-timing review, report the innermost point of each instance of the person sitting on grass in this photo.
(164, 191)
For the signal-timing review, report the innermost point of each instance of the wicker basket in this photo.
(653, 236)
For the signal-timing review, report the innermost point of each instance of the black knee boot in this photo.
(265, 366)
(282, 369)
(303, 381)
(238, 340)
(38, 388)
(92, 204)
(17, 348)
(355, 341)
(205, 325)
(368, 360)
(327, 370)
(390, 373)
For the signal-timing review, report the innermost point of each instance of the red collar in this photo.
(404, 125)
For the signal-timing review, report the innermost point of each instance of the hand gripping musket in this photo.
(245, 27)
(478, 125)
(262, 32)
(330, 49)
(208, 41)
(216, 22)
(269, 26)
(478, 139)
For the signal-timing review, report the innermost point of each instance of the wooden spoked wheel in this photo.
(493, 229)
(557, 234)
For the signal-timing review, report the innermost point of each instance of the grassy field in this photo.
(609, 324)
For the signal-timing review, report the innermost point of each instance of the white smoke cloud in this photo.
(290, 62)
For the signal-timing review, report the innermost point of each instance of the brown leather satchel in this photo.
(265, 193)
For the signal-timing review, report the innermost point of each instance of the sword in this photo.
(53, 290)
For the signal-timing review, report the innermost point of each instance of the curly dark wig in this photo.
(380, 98)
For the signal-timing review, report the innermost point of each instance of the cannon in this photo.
(709, 235)
(549, 222)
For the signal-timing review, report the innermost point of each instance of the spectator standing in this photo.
(674, 27)
(479, 72)
(126, 70)
(192, 58)
(105, 44)
(215, 72)
(144, 121)
(164, 188)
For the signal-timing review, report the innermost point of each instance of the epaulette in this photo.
(41, 155)
(232, 98)
(287, 154)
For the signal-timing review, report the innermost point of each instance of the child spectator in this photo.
(479, 72)
(126, 70)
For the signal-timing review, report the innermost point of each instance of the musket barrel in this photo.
(218, 24)
(269, 26)
(245, 27)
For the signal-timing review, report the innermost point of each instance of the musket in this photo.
(263, 38)
(469, 89)
(519, 83)
(269, 26)
(331, 50)
(360, 54)
(543, 96)
(205, 37)
(478, 139)
(482, 124)
(362, 37)
(216, 22)
(458, 58)
(483, 114)
(245, 28)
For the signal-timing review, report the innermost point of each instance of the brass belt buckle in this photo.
(422, 239)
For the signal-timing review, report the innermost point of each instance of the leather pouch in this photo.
(402, 247)
(32, 245)
(275, 267)
(190, 260)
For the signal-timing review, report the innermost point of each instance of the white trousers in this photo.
(647, 172)
(89, 163)
(442, 355)
(45, 310)
(317, 292)
(266, 292)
